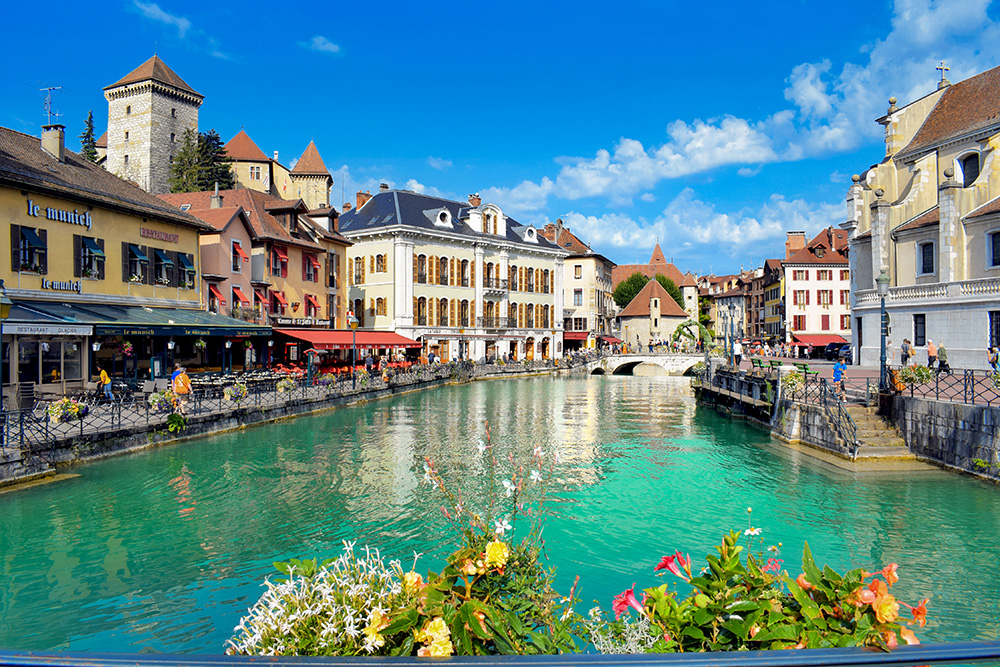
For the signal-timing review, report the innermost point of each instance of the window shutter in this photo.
(415, 313)
(15, 248)
(451, 272)
(125, 274)
(807, 297)
(173, 271)
(77, 256)
(147, 268)
(284, 267)
(305, 260)
(362, 270)
(472, 313)
(414, 268)
(520, 315)
(371, 263)
(43, 257)
(100, 264)
(472, 272)
(451, 318)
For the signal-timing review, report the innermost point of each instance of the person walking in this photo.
(942, 356)
(839, 375)
(993, 356)
(737, 352)
(932, 353)
(904, 352)
(182, 388)
(104, 382)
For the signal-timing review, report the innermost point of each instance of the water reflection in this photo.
(165, 549)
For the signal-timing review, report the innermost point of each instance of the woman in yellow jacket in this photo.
(105, 383)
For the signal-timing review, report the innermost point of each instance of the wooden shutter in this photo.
(472, 313)
(472, 271)
(146, 270)
(520, 315)
(451, 320)
(125, 273)
(284, 265)
(451, 272)
(371, 263)
(415, 312)
(43, 257)
(362, 260)
(350, 271)
(305, 260)
(173, 271)
(77, 255)
(100, 264)
(807, 297)
(415, 268)
(15, 248)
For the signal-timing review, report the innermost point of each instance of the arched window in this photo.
(442, 270)
(422, 311)
(513, 278)
(380, 263)
(380, 306)
(546, 282)
(512, 315)
(487, 223)
(465, 273)
(422, 269)
(443, 319)
(359, 311)
(969, 164)
(463, 314)
(489, 275)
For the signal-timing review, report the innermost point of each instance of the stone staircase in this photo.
(878, 438)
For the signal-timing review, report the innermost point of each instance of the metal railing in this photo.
(972, 387)
(839, 418)
(492, 322)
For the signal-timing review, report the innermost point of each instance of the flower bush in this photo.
(286, 385)
(915, 374)
(163, 401)
(362, 377)
(200, 343)
(127, 349)
(236, 393)
(324, 379)
(791, 381)
(66, 409)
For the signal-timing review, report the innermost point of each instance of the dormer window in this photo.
(819, 252)
(969, 166)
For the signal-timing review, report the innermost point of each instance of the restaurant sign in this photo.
(299, 322)
(177, 330)
(47, 329)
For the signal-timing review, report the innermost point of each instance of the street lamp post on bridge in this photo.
(882, 283)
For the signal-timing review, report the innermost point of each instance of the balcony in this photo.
(496, 285)
(421, 320)
(422, 277)
(491, 322)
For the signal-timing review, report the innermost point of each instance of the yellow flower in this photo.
(468, 567)
(441, 648)
(433, 631)
(497, 554)
(377, 621)
(413, 582)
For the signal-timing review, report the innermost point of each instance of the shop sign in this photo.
(46, 330)
(299, 322)
(73, 217)
(156, 234)
(176, 330)
(63, 285)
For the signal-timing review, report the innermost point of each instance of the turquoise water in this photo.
(164, 550)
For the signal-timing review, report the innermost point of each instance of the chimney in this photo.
(475, 200)
(796, 241)
(383, 187)
(347, 206)
(216, 198)
(275, 156)
(363, 197)
(54, 141)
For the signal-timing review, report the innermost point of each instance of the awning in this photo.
(29, 235)
(241, 296)
(137, 253)
(326, 339)
(239, 251)
(216, 293)
(92, 246)
(163, 257)
(282, 255)
(280, 298)
(818, 340)
(575, 335)
(312, 300)
(184, 262)
(260, 296)
(315, 262)
(610, 339)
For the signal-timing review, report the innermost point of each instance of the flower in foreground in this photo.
(674, 564)
(803, 584)
(889, 572)
(377, 621)
(536, 476)
(413, 582)
(886, 608)
(508, 487)
(752, 531)
(497, 554)
(773, 565)
(908, 636)
(623, 601)
(919, 612)
(502, 526)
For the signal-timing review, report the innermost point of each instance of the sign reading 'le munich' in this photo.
(73, 217)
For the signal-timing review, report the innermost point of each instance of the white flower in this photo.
(556, 457)
(508, 487)
(481, 447)
(536, 476)
(502, 526)
(538, 451)
(752, 531)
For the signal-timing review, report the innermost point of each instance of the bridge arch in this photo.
(624, 364)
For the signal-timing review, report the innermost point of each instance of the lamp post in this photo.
(882, 283)
(353, 321)
(732, 333)
(227, 357)
(5, 304)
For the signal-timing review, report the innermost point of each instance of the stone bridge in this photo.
(623, 364)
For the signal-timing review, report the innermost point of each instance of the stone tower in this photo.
(148, 111)
(312, 179)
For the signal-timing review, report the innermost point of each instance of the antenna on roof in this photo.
(48, 102)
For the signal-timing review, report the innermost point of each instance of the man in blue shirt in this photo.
(839, 375)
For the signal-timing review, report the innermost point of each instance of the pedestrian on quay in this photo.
(993, 356)
(904, 352)
(104, 383)
(932, 353)
(182, 387)
(942, 355)
(737, 352)
(839, 375)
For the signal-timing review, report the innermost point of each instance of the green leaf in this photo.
(809, 608)
(780, 632)
(742, 605)
(467, 612)
(403, 623)
(813, 575)
(701, 600)
(693, 632)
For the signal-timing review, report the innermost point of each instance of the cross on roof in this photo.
(942, 68)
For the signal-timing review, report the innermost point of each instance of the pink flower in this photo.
(773, 564)
(674, 564)
(625, 600)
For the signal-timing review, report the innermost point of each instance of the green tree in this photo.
(671, 288)
(88, 146)
(200, 163)
(628, 288)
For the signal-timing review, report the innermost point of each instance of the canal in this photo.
(162, 551)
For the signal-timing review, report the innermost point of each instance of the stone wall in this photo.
(802, 423)
(951, 434)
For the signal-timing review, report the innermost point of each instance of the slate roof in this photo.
(411, 209)
(965, 108)
(156, 70)
(928, 218)
(570, 242)
(639, 305)
(242, 147)
(832, 241)
(311, 163)
(263, 225)
(23, 164)
(988, 208)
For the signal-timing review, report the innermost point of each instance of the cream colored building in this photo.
(463, 278)
(652, 316)
(929, 215)
(309, 180)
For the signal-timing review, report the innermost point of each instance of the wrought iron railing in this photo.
(972, 387)
(840, 419)
(492, 322)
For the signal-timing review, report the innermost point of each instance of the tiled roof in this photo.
(620, 273)
(988, 208)
(657, 256)
(263, 225)
(928, 218)
(311, 163)
(218, 218)
(689, 280)
(403, 207)
(25, 165)
(157, 70)
(639, 306)
(242, 147)
(965, 107)
(832, 242)
(102, 141)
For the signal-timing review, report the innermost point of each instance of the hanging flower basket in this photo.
(235, 393)
(66, 409)
(127, 349)
(200, 344)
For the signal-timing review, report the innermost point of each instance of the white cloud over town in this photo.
(438, 163)
(151, 10)
(321, 44)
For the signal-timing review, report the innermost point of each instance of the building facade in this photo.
(817, 291)
(461, 277)
(309, 180)
(928, 215)
(650, 317)
(774, 302)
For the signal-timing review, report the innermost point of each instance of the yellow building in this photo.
(309, 180)
(95, 263)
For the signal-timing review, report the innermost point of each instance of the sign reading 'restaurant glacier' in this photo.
(73, 217)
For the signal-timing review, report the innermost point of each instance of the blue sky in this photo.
(713, 127)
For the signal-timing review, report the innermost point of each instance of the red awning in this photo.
(312, 300)
(239, 251)
(325, 339)
(282, 255)
(280, 297)
(260, 296)
(612, 339)
(241, 296)
(315, 262)
(575, 335)
(216, 293)
(817, 340)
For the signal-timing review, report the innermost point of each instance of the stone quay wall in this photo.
(797, 423)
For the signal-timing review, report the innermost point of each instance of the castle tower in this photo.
(148, 111)
(312, 179)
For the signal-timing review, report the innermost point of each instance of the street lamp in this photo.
(732, 333)
(353, 321)
(5, 304)
(882, 283)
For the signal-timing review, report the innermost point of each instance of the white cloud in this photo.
(526, 197)
(321, 44)
(422, 189)
(648, 196)
(151, 10)
(438, 163)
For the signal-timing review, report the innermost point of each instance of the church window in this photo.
(925, 258)
(970, 169)
(173, 137)
(993, 248)
(126, 160)
(128, 110)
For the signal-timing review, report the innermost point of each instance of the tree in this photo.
(200, 163)
(88, 146)
(671, 288)
(693, 330)
(628, 288)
